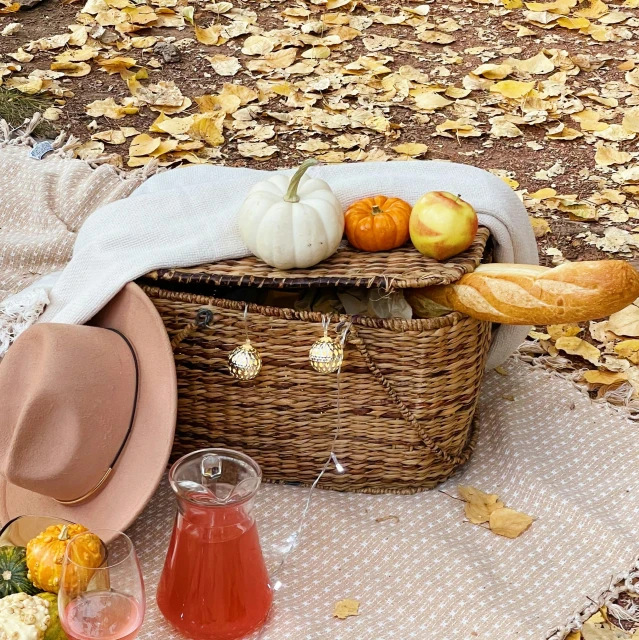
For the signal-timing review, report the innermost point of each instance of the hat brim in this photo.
(143, 461)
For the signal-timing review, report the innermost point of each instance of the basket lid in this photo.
(403, 268)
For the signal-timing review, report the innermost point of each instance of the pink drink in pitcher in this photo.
(215, 585)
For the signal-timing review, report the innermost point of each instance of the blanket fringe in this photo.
(18, 313)
(619, 398)
(64, 147)
(622, 583)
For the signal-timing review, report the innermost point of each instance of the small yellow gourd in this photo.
(45, 554)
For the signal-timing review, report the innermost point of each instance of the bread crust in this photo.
(528, 294)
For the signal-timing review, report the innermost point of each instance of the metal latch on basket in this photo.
(203, 320)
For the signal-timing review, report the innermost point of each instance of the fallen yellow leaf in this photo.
(228, 103)
(112, 136)
(606, 156)
(117, 64)
(346, 608)
(109, 109)
(563, 330)
(257, 46)
(89, 150)
(592, 9)
(211, 35)
(430, 101)
(538, 64)
(573, 23)
(436, 37)
(508, 522)
(579, 347)
(606, 377)
(512, 88)
(628, 349)
(172, 126)
(625, 322)
(30, 86)
(540, 226)
(543, 194)
(72, 69)
(493, 71)
(479, 505)
(558, 6)
(143, 145)
(208, 127)
(413, 149)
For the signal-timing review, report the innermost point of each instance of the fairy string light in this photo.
(294, 539)
(245, 361)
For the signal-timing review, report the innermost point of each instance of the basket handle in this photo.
(355, 339)
(203, 319)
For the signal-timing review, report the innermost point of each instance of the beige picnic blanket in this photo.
(42, 210)
(427, 574)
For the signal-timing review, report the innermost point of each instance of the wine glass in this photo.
(103, 603)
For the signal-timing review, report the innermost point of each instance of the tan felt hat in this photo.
(87, 416)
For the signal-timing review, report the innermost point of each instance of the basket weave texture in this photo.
(400, 268)
(408, 393)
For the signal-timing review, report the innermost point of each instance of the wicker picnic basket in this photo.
(408, 388)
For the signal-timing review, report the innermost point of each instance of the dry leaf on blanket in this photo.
(479, 505)
(484, 507)
(345, 608)
(509, 523)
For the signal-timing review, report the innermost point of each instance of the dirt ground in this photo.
(483, 32)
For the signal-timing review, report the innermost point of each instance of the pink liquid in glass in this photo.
(103, 615)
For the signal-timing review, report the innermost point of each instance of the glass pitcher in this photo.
(215, 585)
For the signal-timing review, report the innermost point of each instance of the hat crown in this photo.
(68, 395)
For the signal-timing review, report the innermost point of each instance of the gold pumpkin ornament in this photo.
(326, 355)
(245, 361)
(45, 554)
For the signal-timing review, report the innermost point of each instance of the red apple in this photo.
(442, 225)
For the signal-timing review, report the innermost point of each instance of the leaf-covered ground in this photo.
(543, 94)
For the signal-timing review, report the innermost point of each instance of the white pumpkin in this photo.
(292, 223)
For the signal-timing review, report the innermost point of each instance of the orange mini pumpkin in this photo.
(378, 223)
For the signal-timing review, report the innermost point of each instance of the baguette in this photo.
(532, 295)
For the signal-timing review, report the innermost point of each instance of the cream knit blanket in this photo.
(188, 216)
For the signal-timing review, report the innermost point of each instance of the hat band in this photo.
(105, 477)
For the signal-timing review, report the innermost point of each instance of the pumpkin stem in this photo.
(291, 194)
(376, 210)
(64, 534)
